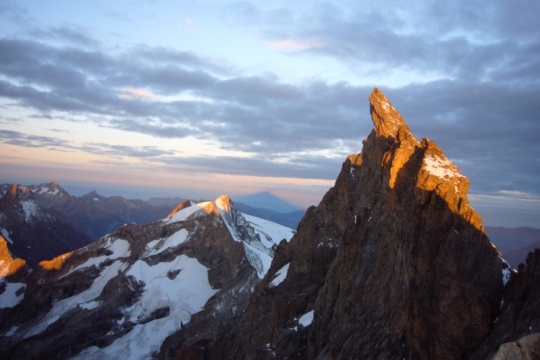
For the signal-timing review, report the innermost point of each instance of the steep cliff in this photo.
(393, 263)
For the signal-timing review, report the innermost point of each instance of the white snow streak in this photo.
(270, 232)
(8, 298)
(172, 241)
(5, 234)
(306, 319)
(64, 305)
(506, 271)
(30, 209)
(119, 247)
(185, 213)
(281, 275)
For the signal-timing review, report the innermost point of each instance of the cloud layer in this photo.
(477, 96)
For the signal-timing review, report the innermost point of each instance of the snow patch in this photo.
(281, 274)
(64, 305)
(269, 232)
(5, 234)
(9, 298)
(119, 247)
(172, 241)
(306, 319)
(185, 213)
(30, 209)
(441, 167)
(185, 295)
(90, 305)
(506, 271)
(260, 260)
(12, 331)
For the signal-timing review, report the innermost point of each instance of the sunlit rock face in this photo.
(392, 264)
(123, 295)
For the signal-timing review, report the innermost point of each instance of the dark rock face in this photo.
(415, 275)
(33, 234)
(517, 329)
(394, 263)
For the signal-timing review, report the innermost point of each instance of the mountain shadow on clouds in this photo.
(267, 200)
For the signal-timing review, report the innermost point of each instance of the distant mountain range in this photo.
(95, 215)
(515, 244)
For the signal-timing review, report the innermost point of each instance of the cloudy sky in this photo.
(198, 98)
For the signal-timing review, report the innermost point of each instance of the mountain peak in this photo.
(224, 203)
(386, 119)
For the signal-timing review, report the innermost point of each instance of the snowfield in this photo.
(166, 294)
(184, 296)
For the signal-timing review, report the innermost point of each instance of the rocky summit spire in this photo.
(386, 119)
(392, 264)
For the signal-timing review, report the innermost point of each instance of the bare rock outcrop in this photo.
(393, 263)
(516, 332)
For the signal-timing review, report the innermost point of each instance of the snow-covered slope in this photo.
(123, 295)
(255, 234)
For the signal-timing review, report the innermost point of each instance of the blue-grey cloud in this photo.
(483, 110)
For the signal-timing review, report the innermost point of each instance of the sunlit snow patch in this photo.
(441, 167)
(185, 213)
